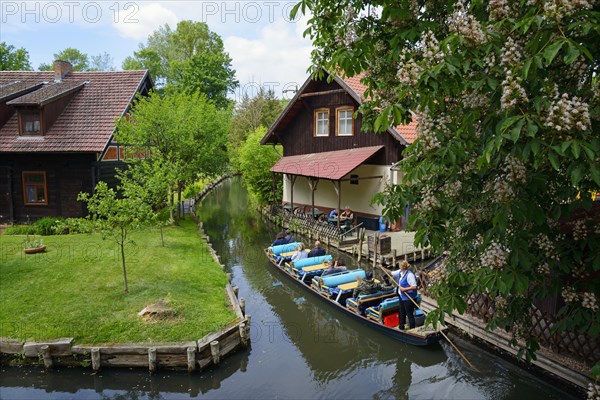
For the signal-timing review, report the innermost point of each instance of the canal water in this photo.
(301, 347)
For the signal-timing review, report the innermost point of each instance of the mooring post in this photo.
(243, 334)
(45, 349)
(236, 290)
(191, 359)
(152, 359)
(214, 351)
(243, 305)
(96, 358)
(229, 277)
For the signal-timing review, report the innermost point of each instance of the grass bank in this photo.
(75, 289)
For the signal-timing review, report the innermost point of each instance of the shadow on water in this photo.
(301, 347)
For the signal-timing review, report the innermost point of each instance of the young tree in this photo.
(255, 164)
(188, 59)
(250, 114)
(506, 97)
(13, 59)
(117, 216)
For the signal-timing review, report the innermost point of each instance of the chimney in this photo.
(61, 69)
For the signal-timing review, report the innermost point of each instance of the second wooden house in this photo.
(328, 161)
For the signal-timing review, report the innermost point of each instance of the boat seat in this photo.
(364, 301)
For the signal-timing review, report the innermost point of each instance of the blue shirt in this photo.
(406, 280)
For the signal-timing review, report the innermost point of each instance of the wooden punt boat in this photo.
(419, 336)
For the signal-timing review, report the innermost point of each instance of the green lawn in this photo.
(75, 289)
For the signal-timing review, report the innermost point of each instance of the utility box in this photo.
(384, 244)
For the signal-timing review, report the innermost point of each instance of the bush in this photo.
(72, 225)
(44, 225)
(22, 230)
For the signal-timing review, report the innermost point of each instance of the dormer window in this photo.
(30, 123)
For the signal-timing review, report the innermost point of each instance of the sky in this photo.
(267, 47)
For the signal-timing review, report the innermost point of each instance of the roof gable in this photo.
(405, 134)
(88, 121)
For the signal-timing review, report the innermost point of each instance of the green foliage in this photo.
(89, 306)
(507, 101)
(22, 230)
(45, 225)
(255, 163)
(248, 115)
(102, 62)
(193, 189)
(81, 61)
(13, 59)
(188, 59)
(186, 134)
(72, 225)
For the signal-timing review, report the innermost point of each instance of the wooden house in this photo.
(328, 161)
(56, 137)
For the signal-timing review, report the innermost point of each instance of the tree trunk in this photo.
(162, 239)
(180, 206)
(123, 260)
(171, 200)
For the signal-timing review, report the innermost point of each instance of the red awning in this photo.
(333, 165)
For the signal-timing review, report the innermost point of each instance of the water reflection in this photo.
(68, 383)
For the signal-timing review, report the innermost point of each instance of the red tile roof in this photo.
(332, 165)
(48, 93)
(407, 132)
(16, 88)
(88, 121)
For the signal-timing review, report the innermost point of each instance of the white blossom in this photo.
(515, 170)
(512, 92)
(500, 9)
(593, 392)
(408, 71)
(569, 295)
(463, 23)
(543, 268)
(502, 190)
(580, 231)
(559, 9)
(495, 256)
(430, 49)
(588, 300)
(568, 114)
(512, 53)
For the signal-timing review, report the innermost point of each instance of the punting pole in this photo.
(442, 332)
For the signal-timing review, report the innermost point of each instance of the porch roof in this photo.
(333, 165)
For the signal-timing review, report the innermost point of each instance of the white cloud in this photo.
(141, 20)
(278, 57)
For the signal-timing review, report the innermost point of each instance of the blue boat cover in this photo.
(342, 277)
(284, 248)
(307, 262)
(390, 303)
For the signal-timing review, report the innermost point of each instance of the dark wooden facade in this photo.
(76, 113)
(295, 130)
(66, 176)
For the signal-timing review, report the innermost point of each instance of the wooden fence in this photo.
(578, 346)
